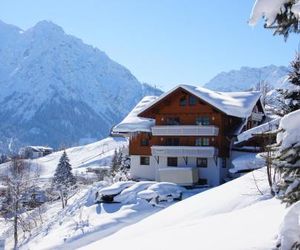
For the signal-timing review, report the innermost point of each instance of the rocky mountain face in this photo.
(57, 91)
(247, 78)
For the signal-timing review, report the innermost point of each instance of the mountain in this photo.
(58, 91)
(247, 78)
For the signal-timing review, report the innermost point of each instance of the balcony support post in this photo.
(185, 158)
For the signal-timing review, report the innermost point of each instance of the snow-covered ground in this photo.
(84, 222)
(240, 214)
(94, 155)
(232, 216)
(237, 215)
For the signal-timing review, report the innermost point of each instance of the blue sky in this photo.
(162, 42)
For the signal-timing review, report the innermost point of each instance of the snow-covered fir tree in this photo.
(64, 180)
(120, 165)
(292, 93)
(287, 161)
(286, 21)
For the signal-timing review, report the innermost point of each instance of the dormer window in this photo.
(183, 101)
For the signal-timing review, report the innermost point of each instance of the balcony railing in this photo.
(185, 130)
(184, 151)
(257, 116)
(179, 175)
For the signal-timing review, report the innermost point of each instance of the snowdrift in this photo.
(237, 215)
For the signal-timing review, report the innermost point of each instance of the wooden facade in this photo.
(173, 110)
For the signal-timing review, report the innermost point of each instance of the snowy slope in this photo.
(237, 215)
(97, 154)
(232, 216)
(246, 78)
(84, 222)
(58, 91)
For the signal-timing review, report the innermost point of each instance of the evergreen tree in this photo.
(288, 99)
(63, 180)
(120, 165)
(115, 162)
(287, 160)
(292, 94)
(287, 165)
(285, 22)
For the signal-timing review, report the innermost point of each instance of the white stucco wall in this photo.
(211, 173)
(214, 173)
(138, 171)
(224, 171)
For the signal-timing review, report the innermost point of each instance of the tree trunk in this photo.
(62, 199)
(269, 171)
(16, 225)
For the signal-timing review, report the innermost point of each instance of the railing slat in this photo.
(197, 130)
(192, 151)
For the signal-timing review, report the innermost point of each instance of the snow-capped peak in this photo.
(54, 84)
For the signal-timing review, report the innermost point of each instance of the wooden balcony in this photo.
(185, 130)
(257, 116)
(184, 151)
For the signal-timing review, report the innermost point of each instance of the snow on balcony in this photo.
(185, 130)
(184, 151)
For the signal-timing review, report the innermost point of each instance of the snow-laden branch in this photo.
(283, 16)
(267, 9)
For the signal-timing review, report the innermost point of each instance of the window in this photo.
(223, 162)
(205, 141)
(202, 141)
(192, 100)
(172, 162)
(182, 101)
(145, 160)
(202, 181)
(203, 120)
(202, 162)
(172, 141)
(198, 142)
(144, 142)
(173, 121)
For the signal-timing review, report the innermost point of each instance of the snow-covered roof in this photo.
(238, 104)
(38, 148)
(268, 126)
(133, 123)
(246, 161)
